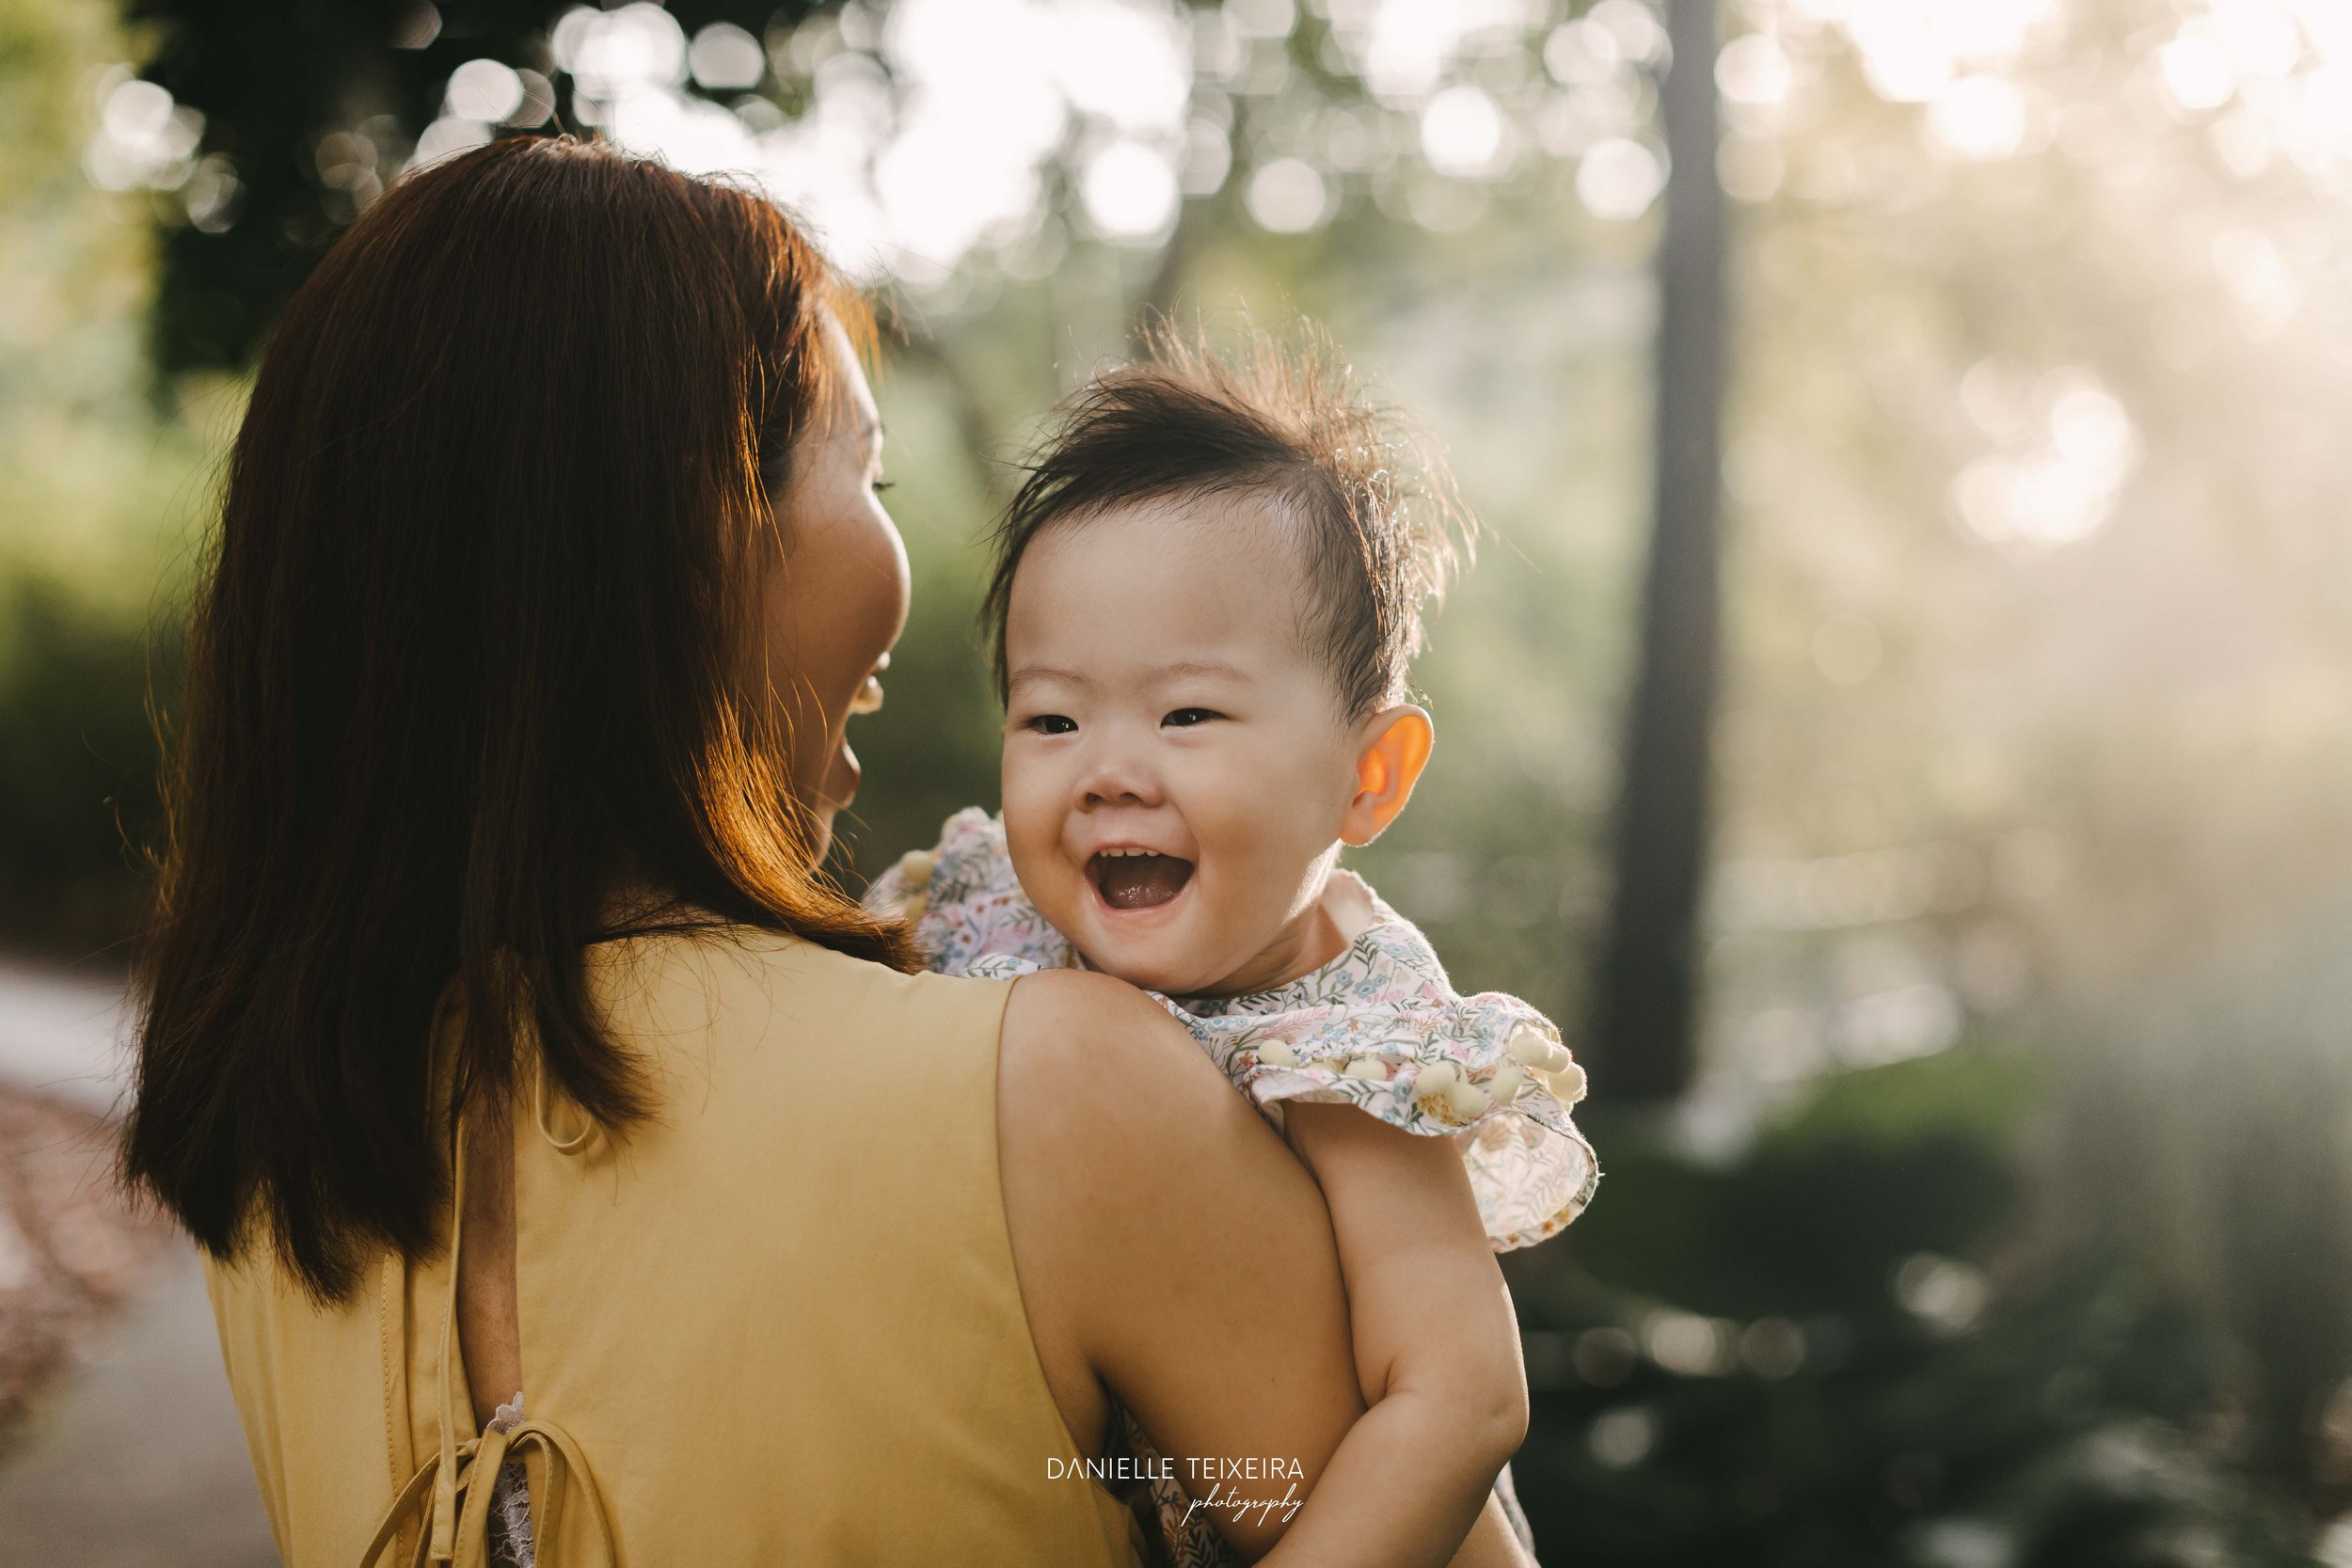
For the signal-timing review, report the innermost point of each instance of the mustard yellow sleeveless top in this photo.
(744, 1338)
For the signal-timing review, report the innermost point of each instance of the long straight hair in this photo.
(479, 646)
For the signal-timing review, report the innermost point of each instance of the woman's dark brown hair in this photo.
(478, 649)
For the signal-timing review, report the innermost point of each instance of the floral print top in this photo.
(1378, 1027)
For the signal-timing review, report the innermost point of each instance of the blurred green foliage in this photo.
(1834, 1351)
(98, 493)
(79, 803)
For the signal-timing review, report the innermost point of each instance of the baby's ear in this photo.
(1396, 746)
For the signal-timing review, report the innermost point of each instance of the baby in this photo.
(1204, 601)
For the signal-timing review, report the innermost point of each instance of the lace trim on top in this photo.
(510, 1499)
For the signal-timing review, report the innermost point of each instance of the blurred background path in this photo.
(118, 1443)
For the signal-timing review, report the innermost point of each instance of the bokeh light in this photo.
(1619, 178)
(726, 58)
(1131, 193)
(1463, 132)
(1288, 197)
(484, 91)
(143, 137)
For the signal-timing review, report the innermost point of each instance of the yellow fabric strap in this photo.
(476, 1466)
(462, 1476)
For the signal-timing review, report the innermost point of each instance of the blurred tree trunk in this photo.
(1647, 994)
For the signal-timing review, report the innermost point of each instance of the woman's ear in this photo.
(1397, 743)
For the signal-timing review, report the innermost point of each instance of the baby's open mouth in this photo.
(1137, 878)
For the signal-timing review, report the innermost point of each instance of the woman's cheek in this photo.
(883, 589)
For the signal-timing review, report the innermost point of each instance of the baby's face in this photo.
(1176, 770)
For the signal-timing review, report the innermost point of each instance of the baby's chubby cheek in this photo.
(1033, 838)
(1256, 879)
(1263, 837)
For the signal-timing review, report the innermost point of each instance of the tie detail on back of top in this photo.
(462, 1476)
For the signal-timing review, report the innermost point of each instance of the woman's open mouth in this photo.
(1137, 879)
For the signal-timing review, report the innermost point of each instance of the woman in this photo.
(503, 1045)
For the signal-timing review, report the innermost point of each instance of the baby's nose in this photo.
(1115, 777)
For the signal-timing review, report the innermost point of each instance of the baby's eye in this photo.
(1049, 724)
(1184, 718)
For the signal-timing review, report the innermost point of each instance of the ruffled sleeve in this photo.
(1381, 1030)
(966, 904)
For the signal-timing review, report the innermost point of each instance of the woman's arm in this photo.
(1173, 1253)
(1436, 1351)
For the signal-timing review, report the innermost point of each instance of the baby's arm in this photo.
(1436, 1353)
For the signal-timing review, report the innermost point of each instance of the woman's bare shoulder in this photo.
(1052, 1011)
(1107, 1108)
(1102, 1071)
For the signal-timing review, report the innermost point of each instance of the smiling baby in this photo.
(1205, 600)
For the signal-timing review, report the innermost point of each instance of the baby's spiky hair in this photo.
(1377, 515)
